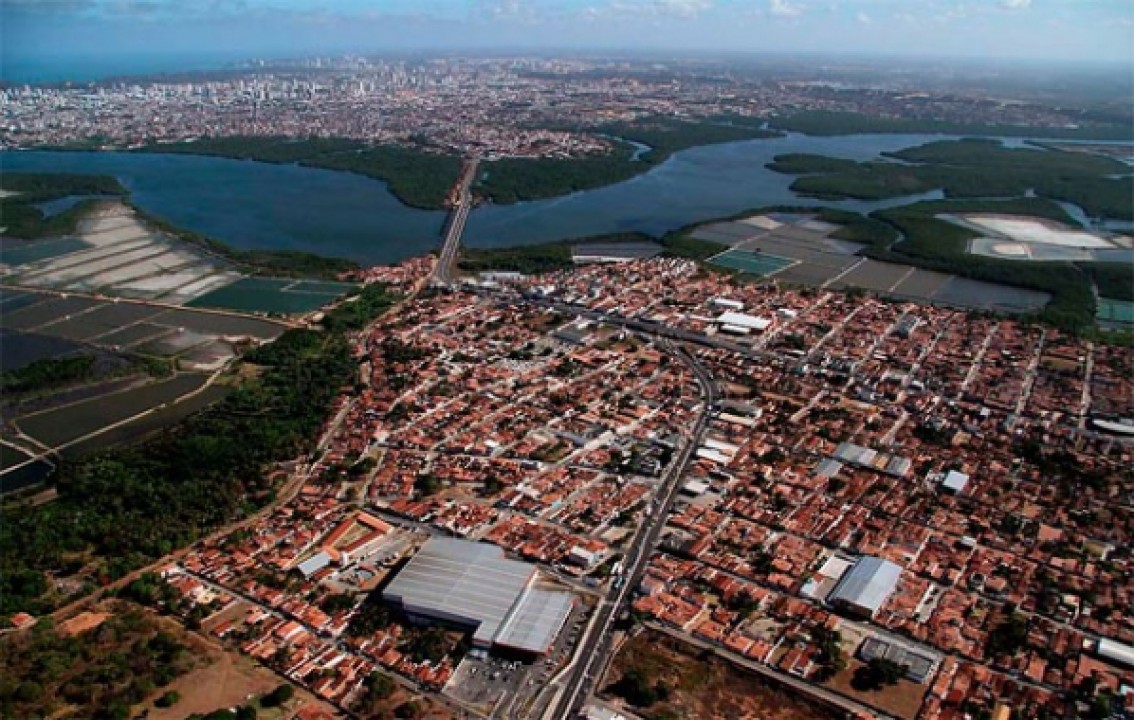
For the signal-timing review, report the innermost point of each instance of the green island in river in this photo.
(970, 168)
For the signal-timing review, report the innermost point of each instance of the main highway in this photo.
(455, 226)
(594, 648)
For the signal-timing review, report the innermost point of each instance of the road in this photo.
(594, 648)
(455, 226)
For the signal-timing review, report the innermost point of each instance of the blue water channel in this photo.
(252, 205)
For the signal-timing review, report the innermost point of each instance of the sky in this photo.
(50, 36)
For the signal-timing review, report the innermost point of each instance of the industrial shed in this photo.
(473, 585)
(866, 586)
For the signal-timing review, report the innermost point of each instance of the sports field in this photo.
(1120, 312)
(754, 263)
(273, 295)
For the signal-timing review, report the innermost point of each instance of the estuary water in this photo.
(252, 205)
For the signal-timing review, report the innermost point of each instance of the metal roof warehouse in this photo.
(474, 585)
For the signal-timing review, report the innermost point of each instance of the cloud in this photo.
(683, 8)
(1016, 4)
(784, 8)
(864, 19)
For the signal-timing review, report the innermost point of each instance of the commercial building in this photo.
(474, 586)
(741, 323)
(866, 586)
(919, 663)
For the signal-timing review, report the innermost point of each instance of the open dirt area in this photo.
(901, 700)
(227, 680)
(705, 687)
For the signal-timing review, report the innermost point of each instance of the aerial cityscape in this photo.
(621, 360)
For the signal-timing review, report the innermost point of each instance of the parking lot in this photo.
(484, 682)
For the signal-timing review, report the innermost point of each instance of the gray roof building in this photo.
(474, 585)
(866, 586)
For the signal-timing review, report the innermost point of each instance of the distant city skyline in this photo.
(46, 40)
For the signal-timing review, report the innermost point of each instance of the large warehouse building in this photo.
(864, 589)
(474, 585)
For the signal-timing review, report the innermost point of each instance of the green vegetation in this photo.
(518, 179)
(667, 135)
(535, 259)
(278, 697)
(372, 616)
(356, 312)
(98, 674)
(377, 688)
(877, 674)
(935, 244)
(1113, 280)
(48, 373)
(1007, 638)
(125, 507)
(20, 217)
(970, 168)
(512, 180)
(169, 699)
(830, 656)
(417, 178)
(826, 123)
(639, 690)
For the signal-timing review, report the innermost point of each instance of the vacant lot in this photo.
(902, 700)
(706, 687)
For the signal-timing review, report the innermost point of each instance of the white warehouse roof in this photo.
(743, 320)
(868, 584)
(473, 584)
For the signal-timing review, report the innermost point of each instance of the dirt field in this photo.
(902, 700)
(705, 688)
(227, 680)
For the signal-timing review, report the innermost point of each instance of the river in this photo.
(252, 205)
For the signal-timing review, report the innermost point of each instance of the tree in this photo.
(878, 673)
(278, 697)
(169, 699)
(380, 686)
(635, 687)
(409, 710)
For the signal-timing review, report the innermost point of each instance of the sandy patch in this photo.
(207, 284)
(1010, 249)
(227, 681)
(165, 283)
(167, 262)
(762, 221)
(82, 622)
(1033, 230)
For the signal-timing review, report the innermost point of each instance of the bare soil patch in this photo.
(902, 700)
(704, 686)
